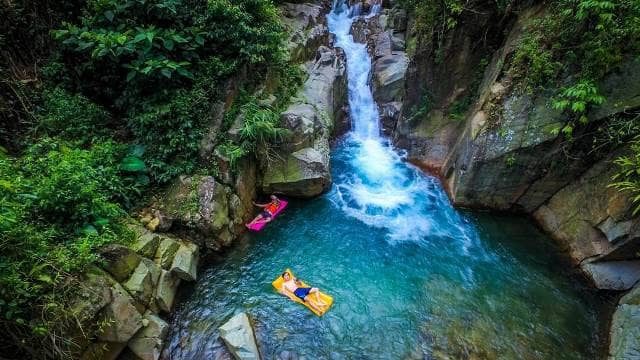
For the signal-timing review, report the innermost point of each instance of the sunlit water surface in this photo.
(412, 277)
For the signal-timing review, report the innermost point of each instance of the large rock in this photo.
(143, 281)
(589, 219)
(146, 243)
(197, 202)
(120, 261)
(185, 262)
(166, 252)
(147, 343)
(165, 292)
(307, 29)
(305, 173)
(389, 77)
(614, 275)
(624, 334)
(121, 318)
(237, 334)
(91, 297)
(301, 167)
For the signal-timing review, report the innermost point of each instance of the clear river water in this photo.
(412, 277)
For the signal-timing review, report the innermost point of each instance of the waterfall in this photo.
(380, 188)
(375, 9)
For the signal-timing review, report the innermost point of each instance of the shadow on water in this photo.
(411, 276)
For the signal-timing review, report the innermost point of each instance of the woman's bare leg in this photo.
(255, 220)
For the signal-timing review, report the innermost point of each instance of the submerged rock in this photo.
(237, 334)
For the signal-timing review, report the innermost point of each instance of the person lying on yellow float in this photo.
(300, 292)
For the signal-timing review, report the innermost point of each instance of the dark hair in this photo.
(285, 273)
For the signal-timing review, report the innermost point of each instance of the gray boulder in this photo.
(614, 275)
(143, 281)
(185, 263)
(147, 343)
(307, 29)
(388, 77)
(147, 242)
(166, 252)
(121, 316)
(238, 335)
(305, 173)
(165, 292)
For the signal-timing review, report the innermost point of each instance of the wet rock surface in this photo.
(302, 166)
(238, 335)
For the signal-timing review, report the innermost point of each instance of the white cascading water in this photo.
(379, 187)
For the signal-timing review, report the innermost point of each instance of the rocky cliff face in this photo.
(500, 152)
(300, 167)
(458, 112)
(121, 302)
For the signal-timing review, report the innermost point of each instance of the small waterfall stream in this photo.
(412, 277)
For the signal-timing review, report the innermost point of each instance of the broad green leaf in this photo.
(109, 15)
(166, 72)
(132, 164)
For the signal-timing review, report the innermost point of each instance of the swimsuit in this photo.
(269, 210)
(302, 292)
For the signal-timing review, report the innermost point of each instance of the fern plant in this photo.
(628, 176)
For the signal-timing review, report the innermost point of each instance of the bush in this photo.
(72, 117)
(586, 38)
(627, 179)
(171, 132)
(56, 206)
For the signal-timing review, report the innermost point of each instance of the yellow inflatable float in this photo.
(277, 283)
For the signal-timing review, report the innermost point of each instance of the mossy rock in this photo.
(120, 261)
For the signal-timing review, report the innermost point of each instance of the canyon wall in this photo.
(459, 113)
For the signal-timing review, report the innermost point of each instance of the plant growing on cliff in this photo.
(584, 37)
(628, 177)
(577, 100)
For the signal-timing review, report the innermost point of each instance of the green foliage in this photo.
(157, 65)
(171, 132)
(133, 46)
(57, 204)
(583, 37)
(576, 100)
(72, 117)
(627, 178)
(260, 126)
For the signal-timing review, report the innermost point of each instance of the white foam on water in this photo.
(380, 188)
